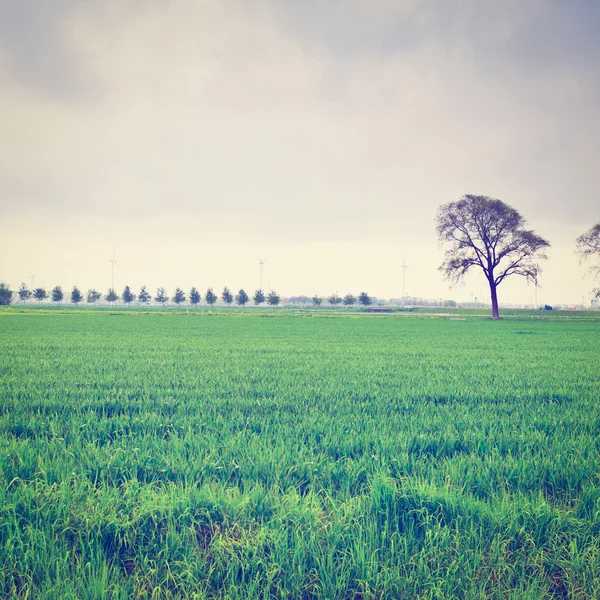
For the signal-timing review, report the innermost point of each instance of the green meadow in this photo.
(272, 455)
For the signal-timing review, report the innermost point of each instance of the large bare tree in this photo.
(487, 234)
(588, 248)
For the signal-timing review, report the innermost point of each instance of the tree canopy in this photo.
(40, 294)
(227, 296)
(144, 295)
(210, 297)
(194, 296)
(161, 296)
(127, 296)
(588, 248)
(93, 296)
(334, 299)
(487, 234)
(6, 294)
(179, 296)
(364, 299)
(24, 293)
(76, 295)
(273, 298)
(259, 297)
(349, 300)
(57, 294)
(241, 297)
(111, 296)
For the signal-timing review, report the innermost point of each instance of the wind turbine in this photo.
(535, 281)
(404, 267)
(262, 264)
(113, 262)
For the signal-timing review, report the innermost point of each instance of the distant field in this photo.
(241, 456)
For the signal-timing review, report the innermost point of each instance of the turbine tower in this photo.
(535, 281)
(262, 265)
(404, 267)
(113, 262)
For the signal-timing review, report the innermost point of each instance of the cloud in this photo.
(301, 124)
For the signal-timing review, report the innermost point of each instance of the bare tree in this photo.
(588, 248)
(488, 234)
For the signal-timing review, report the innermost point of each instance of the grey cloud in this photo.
(32, 39)
(532, 34)
(349, 29)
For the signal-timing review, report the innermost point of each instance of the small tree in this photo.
(111, 296)
(57, 294)
(76, 295)
(40, 294)
(6, 294)
(334, 300)
(588, 248)
(144, 295)
(349, 300)
(127, 296)
(317, 301)
(364, 299)
(241, 298)
(93, 296)
(195, 297)
(487, 234)
(179, 296)
(161, 296)
(210, 297)
(273, 298)
(227, 296)
(24, 293)
(259, 297)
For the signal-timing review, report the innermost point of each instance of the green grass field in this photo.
(246, 456)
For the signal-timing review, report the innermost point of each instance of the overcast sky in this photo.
(195, 136)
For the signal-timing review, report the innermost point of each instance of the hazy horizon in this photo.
(192, 138)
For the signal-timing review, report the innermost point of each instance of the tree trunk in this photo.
(494, 294)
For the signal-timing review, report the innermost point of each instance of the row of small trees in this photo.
(145, 297)
(57, 295)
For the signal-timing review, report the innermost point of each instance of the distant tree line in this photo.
(93, 296)
(479, 233)
(127, 296)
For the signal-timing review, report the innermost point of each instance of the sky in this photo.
(192, 137)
